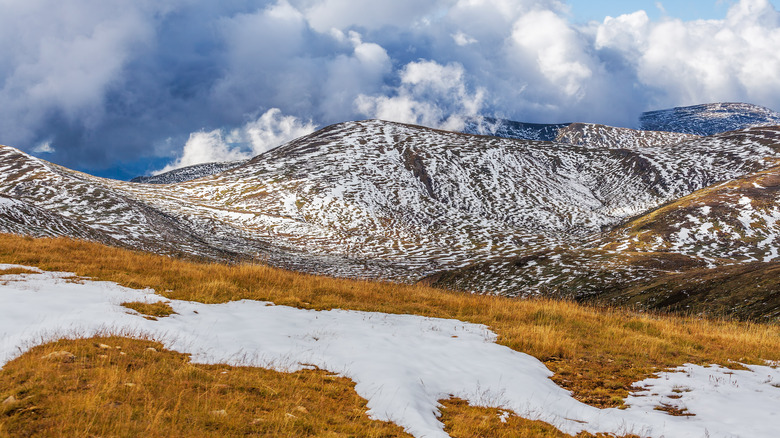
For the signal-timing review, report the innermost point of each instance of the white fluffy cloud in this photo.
(702, 61)
(430, 94)
(268, 131)
(559, 53)
(324, 15)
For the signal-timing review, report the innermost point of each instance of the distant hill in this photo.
(601, 136)
(709, 119)
(188, 173)
(510, 129)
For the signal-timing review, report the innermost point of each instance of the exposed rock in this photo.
(61, 355)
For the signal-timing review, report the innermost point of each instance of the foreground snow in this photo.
(402, 364)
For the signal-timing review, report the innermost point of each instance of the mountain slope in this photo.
(188, 173)
(20, 217)
(511, 129)
(430, 199)
(74, 204)
(736, 220)
(709, 119)
(602, 136)
(712, 252)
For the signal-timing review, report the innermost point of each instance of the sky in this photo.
(125, 88)
(688, 10)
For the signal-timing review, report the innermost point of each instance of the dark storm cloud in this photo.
(125, 87)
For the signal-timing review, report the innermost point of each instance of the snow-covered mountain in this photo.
(580, 134)
(601, 136)
(709, 119)
(188, 173)
(386, 200)
(511, 129)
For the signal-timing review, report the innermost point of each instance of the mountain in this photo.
(20, 217)
(44, 199)
(188, 173)
(374, 199)
(709, 119)
(602, 136)
(580, 134)
(511, 129)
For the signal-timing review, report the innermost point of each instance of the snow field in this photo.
(402, 364)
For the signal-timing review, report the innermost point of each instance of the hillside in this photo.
(511, 129)
(188, 173)
(602, 136)
(712, 252)
(709, 119)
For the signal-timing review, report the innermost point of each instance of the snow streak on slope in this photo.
(709, 119)
(402, 364)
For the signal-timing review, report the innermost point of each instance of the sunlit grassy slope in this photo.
(596, 353)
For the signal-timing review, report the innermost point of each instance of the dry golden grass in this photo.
(596, 353)
(151, 310)
(16, 271)
(135, 388)
(464, 421)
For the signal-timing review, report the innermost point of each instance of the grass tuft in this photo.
(156, 310)
(16, 271)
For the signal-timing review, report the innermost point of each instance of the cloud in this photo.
(703, 61)
(462, 39)
(64, 66)
(120, 87)
(43, 148)
(205, 147)
(558, 52)
(430, 94)
(342, 14)
(270, 130)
